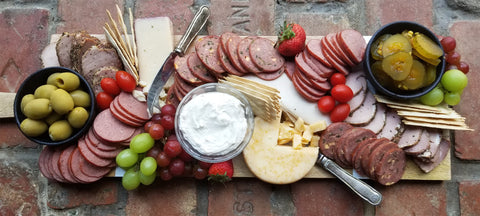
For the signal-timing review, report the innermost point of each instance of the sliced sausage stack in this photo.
(336, 52)
(215, 56)
(89, 56)
(353, 147)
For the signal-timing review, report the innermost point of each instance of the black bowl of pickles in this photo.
(54, 106)
(404, 60)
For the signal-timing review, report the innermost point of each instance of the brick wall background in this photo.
(25, 28)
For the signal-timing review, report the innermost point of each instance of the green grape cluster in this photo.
(449, 90)
(140, 168)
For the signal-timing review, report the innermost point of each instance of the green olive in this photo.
(33, 127)
(44, 91)
(25, 99)
(77, 117)
(52, 79)
(53, 117)
(67, 81)
(60, 130)
(80, 98)
(61, 101)
(37, 108)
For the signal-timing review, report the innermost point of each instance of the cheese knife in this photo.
(167, 68)
(361, 188)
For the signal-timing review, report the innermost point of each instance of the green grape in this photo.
(148, 166)
(147, 179)
(131, 179)
(126, 158)
(452, 98)
(433, 97)
(454, 80)
(142, 143)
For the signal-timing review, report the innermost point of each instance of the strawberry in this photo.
(221, 171)
(291, 39)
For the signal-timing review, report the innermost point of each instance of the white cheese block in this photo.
(154, 37)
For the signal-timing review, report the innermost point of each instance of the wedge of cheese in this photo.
(154, 38)
(274, 163)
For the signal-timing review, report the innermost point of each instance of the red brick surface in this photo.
(310, 22)
(23, 36)
(240, 197)
(18, 189)
(176, 197)
(89, 15)
(66, 196)
(253, 17)
(467, 143)
(177, 10)
(413, 198)
(11, 136)
(325, 197)
(469, 195)
(381, 12)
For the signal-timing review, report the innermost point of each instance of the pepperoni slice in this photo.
(206, 49)
(265, 56)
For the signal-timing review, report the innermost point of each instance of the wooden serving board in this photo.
(412, 172)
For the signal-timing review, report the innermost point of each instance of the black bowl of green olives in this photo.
(404, 60)
(54, 106)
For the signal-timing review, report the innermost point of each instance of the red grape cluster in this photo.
(171, 158)
(452, 57)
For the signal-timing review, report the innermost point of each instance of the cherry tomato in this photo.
(104, 100)
(110, 86)
(156, 131)
(326, 104)
(342, 93)
(125, 81)
(168, 109)
(340, 112)
(337, 78)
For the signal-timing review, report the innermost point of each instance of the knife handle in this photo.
(195, 26)
(361, 188)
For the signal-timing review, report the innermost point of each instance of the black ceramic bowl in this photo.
(40, 78)
(393, 28)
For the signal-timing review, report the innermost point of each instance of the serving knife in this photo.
(361, 188)
(167, 68)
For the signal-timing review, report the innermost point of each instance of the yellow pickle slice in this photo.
(426, 47)
(396, 43)
(398, 65)
(416, 77)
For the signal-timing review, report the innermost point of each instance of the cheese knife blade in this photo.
(168, 68)
(361, 188)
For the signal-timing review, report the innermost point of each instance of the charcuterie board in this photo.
(309, 112)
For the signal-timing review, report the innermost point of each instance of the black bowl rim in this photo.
(77, 132)
(411, 94)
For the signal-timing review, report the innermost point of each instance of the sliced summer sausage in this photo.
(265, 56)
(90, 156)
(108, 128)
(199, 70)
(182, 69)
(314, 47)
(63, 164)
(134, 107)
(206, 49)
(391, 167)
(243, 52)
(43, 161)
(349, 141)
(353, 43)
(232, 53)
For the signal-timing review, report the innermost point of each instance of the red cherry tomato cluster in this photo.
(111, 87)
(452, 57)
(335, 104)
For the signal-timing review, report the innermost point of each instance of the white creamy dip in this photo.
(213, 123)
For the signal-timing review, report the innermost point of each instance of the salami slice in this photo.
(271, 76)
(391, 167)
(226, 64)
(199, 70)
(108, 128)
(243, 52)
(232, 53)
(330, 136)
(132, 106)
(353, 43)
(76, 161)
(123, 116)
(99, 143)
(290, 68)
(100, 153)
(206, 49)
(43, 160)
(182, 69)
(314, 48)
(224, 39)
(90, 156)
(54, 165)
(63, 164)
(265, 56)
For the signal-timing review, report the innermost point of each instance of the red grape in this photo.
(204, 165)
(162, 159)
(147, 125)
(200, 173)
(154, 151)
(172, 148)
(448, 44)
(453, 58)
(156, 118)
(168, 122)
(464, 67)
(176, 167)
(156, 131)
(165, 174)
(168, 109)
(185, 156)
(172, 136)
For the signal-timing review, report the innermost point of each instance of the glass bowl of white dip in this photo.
(214, 122)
